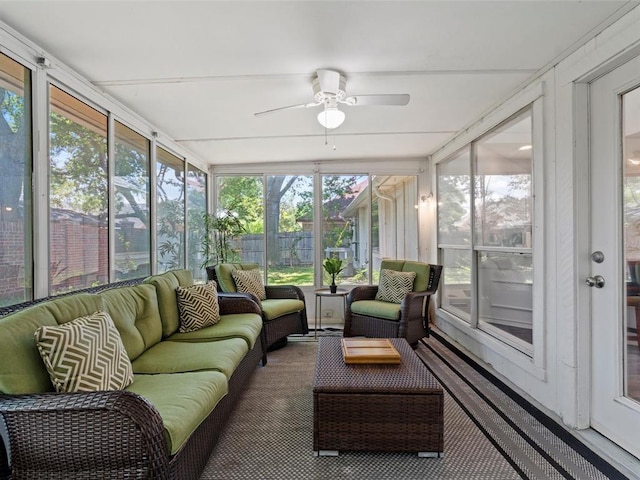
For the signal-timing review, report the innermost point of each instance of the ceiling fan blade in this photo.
(400, 99)
(290, 107)
(329, 81)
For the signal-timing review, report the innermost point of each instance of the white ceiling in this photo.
(198, 71)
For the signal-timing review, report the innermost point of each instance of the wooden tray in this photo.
(372, 351)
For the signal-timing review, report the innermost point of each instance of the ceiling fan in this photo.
(329, 90)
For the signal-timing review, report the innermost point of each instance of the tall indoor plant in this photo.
(220, 231)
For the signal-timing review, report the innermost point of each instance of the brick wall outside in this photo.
(78, 257)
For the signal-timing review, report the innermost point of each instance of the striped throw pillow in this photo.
(249, 281)
(394, 285)
(198, 306)
(85, 355)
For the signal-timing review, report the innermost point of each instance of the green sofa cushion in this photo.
(26, 373)
(134, 311)
(376, 308)
(183, 400)
(177, 357)
(238, 325)
(166, 284)
(277, 307)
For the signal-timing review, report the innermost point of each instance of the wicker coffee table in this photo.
(391, 408)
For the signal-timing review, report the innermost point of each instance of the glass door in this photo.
(615, 242)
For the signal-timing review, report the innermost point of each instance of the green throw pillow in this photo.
(198, 306)
(85, 355)
(249, 281)
(394, 285)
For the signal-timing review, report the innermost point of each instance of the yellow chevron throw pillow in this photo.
(198, 306)
(85, 355)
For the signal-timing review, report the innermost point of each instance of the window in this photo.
(289, 208)
(394, 218)
(485, 215)
(502, 227)
(240, 212)
(78, 194)
(196, 208)
(454, 232)
(15, 194)
(346, 226)
(171, 211)
(285, 205)
(132, 200)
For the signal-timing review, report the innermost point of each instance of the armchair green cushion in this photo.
(421, 282)
(277, 307)
(376, 308)
(224, 274)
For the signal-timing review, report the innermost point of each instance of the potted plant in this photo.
(333, 266)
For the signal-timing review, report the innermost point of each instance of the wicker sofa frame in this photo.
(413, 323)
(128, 440)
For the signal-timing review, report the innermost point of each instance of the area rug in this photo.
(269, 435)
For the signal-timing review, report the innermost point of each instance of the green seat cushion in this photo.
(176, 357)
(184, 400)
(277, 307)
(376, 308)
(166, 284)
(26, 373)
(135, 313)
(238, 325)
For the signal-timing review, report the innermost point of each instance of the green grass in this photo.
(290, 276)
(303, 276)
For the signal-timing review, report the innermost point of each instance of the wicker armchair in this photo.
(284, 311)
(368, 317)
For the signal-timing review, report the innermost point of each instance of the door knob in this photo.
(596, 281)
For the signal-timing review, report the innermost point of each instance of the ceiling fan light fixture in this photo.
(331, 117)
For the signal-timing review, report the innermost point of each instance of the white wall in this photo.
(558, 375)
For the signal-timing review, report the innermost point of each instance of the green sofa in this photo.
(163, 425)
(283, 311)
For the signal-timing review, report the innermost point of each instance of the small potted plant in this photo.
(333, 266)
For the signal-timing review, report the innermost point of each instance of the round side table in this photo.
(324, 293)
